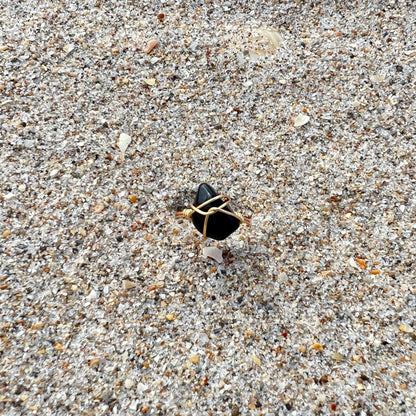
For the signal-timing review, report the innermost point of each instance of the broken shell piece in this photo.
(123, 142)
(406, 328)
(213, 253)
(300, 120)
(149, 81)
(128, 284)
(273, 37)
(150, 45)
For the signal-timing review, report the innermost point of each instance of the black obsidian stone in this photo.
(219, 225)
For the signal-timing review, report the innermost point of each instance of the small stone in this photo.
(194, 358)
(235, 411)
(318, 346)
(170, 317)
(219, 225)
(133, 198)
(6, 233)
(22, 187)
(145, 409)
(361, 263)
(324, 379)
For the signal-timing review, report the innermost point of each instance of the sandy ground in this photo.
(303, 112)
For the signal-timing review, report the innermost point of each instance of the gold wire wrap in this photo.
(187, 213)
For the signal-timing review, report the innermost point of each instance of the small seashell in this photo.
(337, 356)
(150, 45)
(213, 253)
(128, 284)
(128, 383)
(149, 81)
(406, 328)
(123, 142)
(256, 359)
(274, 37)
(377, 78)
(69, 47)
(301, 120)
(353, 263)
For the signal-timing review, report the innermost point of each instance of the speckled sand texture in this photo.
(303, 112)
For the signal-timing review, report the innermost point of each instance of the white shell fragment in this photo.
(213, 253)
(123, 142)
(377, 78)
(128, 284)
(69, 47)
(353, 263)
(149, 81)
(151, 44)
(301, 120)
(273, 37)
(406, 328)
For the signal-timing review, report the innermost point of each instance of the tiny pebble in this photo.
(318, 347)
(194, 358)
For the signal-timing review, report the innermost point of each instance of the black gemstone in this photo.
(219, 225)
